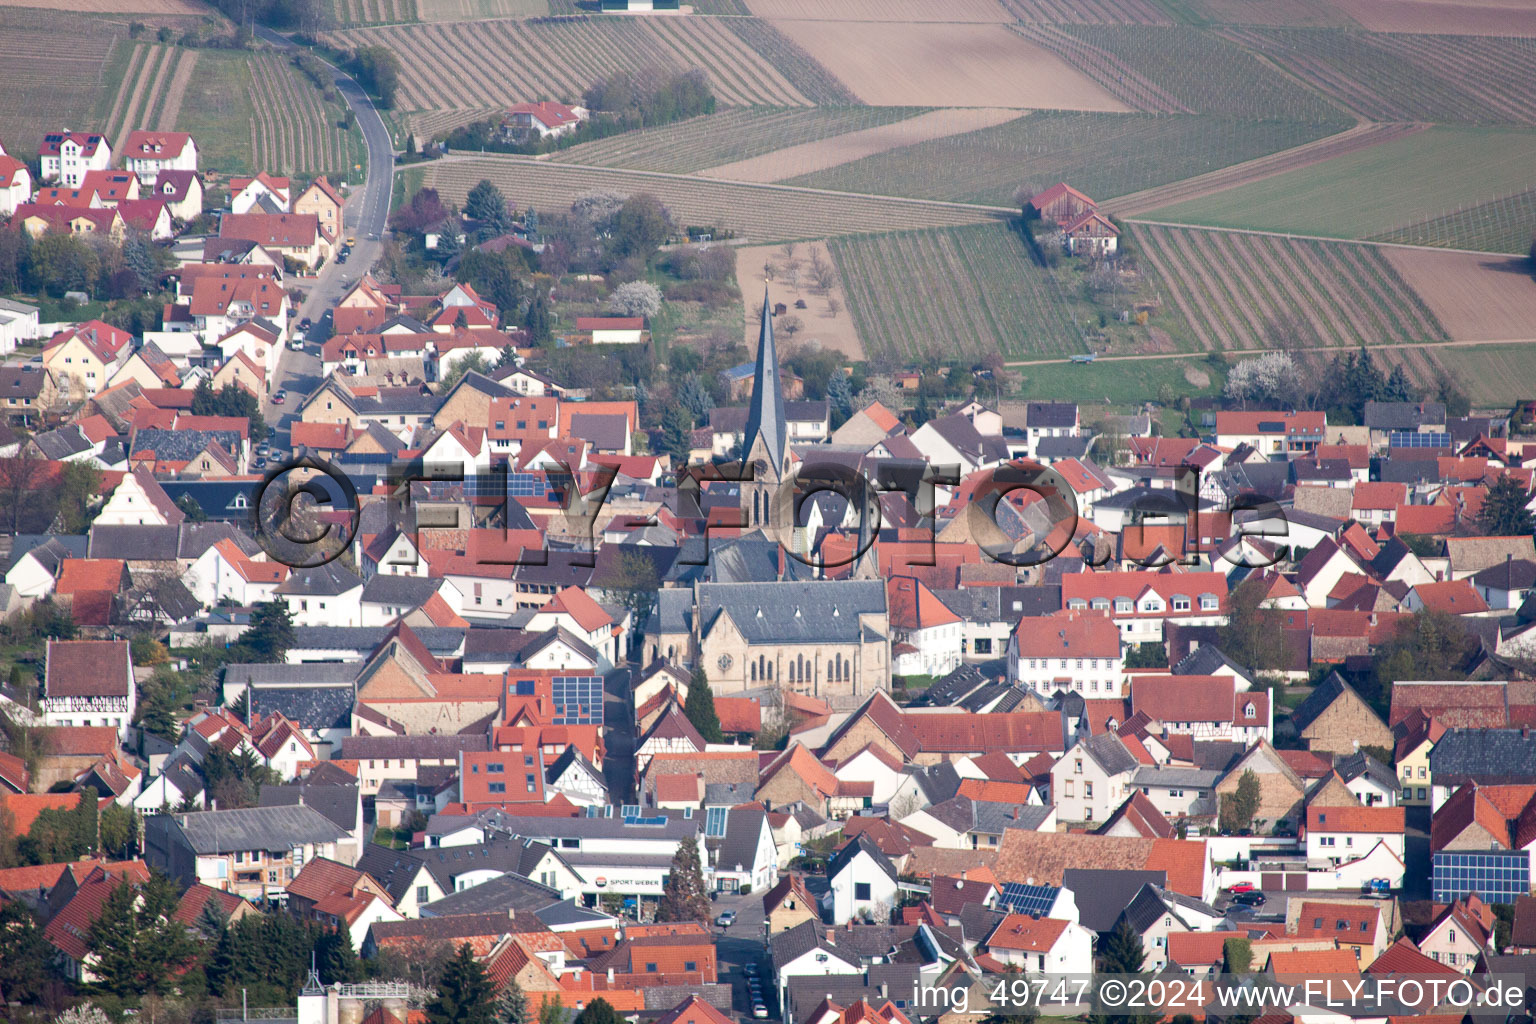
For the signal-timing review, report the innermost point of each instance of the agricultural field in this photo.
(1231, 285)
(47, 85)
(732, 134)
(294, 130)
(1180, 70)
(1402, 77)
(1498, 225)
(1454, 17)
(475, 10)
(1494, 376)
(965, 292)
(253, 112)
(1477, 297)
(950, 11)
(151, 91)
(1089, 12)
(438, 124)
(1120, 383)
(756, 213)
(179, 8)
(393, 12)
(1374, 191)
(824, 320)
(983, 65)
(809, 157)
(1104, 155)
(497, 63)
(814, 80)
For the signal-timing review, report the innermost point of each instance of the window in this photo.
(495, 767)
(1450, 958)
(1077, 768)
(861, 890)
(690, 965)
(1180, 603)
(1451, 937)
(1088, 790)
(497, 787)
(421, 894)
(1122, 604)
(650, 968)
(1069, 788)
(1208, 602)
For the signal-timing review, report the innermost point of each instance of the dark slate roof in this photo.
(61, 443)
(1484, 753)
(743, 826)
(952, 688)
(1145, 908)
(309, 673)
(765, 412)
(939, 782)
(395, 870)
(824, 611)
(134, 543)
(795, 942)
(1510, 574)
(1360, 763)
(568, 913)
(1208, 660)
(1103, 894)
(1050, 414)
(1063, 447)
(1110, 752)
(1403, 415)
(518, 856)
(499, 895)
(851, 849)
(559, 569)
(441, 641)
(321, 581)
(51, 549)
(1322, 695)
(411, 591)
(256, 828)
(1407, 471)
(182, 445)
(1217, 755)
(196, 538)
(339, 803)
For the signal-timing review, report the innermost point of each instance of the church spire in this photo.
(765, 415)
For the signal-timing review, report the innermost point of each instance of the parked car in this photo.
(760, 1011)
(1250, 899)
(1238, 887)
(726, 918)
(280, 397)
(306, 324)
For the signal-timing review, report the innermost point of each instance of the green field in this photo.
(1399, 76)
(1180, 69)
(1375, 190)
(1104, 155)
(1494, 375)
(1123, 382)
(732, 134)
(970, 291)
(1234, 287)
(219, 113)
(1499, 225)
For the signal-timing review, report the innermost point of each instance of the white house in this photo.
(577, 778)
(1092, 779)
(926, 636)
(1042, 945)
(262, 192)
(15, 185)
(574, 610)
(746, 860)
(90, 683)
(1140, 602)
(1336, 835)
(613, 330)
(546, 119)
(1078, 651)
(147, 153)
(863, 882)
(328, 595)
(807, 951)
(66, 156)
(139, 500)
(878, 767)
(176, 785)
(224, 572)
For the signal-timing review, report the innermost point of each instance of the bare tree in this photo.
(20, 480)
(788, 249)
(792, 276)
(825, 276)
(791, 325)
(833, 306)
(768, 271)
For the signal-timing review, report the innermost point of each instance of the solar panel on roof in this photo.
(1414, 439)
(1027, 899)
(578, 700)
(630, 810)
(714, 821)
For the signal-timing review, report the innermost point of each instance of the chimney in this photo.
(882, 990)
(610, 975)
(832, 938)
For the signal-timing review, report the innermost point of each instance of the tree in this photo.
(552, 1012)
(1147, 655)
(486, 204)
(641, 226)
(25, 956)
(693, 396)
(683, 898)
(882, 390)
(336, 959)
(677, 435)
(139, 946)
(840, 395)
(463, 994)
(512, 1007)
(379, 70)
(190, 507)
(1238, 954)
(1429, 645)
(270, 633)
(22, 478)
(699, 708)
(1254, 635)
(79, 487)
(84, 1013)
(636, 298)
(472, 363)
(636, 580)
(1238, 809)
(537, 320)
(59, 263)
(833, 306)
(791, 325)
(230, 400)
(119, 831)
(598, 1011)
(1122, 952)
(1504, 513)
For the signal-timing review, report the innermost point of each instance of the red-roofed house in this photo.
(1062, 204)
(15, 184)
(67, 156)
(292, 234)
(1068, 650)
(1355, 925)
(89, 682)
(326, 205)
(1340, 835)
(1142, 602)
(544, 119)
(147, 153)
(925, 633)
(86, 356)
(1091, 233)
(1271, 433)
(1042, 944)
(1206, 707)
(574, 610)
(1199, 953)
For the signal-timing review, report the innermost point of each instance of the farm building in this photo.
(1092, 234)
(1062, 204)
(641, 5)
(547, 120)
(613, 330)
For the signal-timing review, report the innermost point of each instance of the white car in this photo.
(726, 918)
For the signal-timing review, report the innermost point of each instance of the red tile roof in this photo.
(1030, 934)
(1068, 634)
(1199, 949)
(1374, 820)
(913, 606)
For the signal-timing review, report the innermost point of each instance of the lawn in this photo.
(1120, 382)
(1376, 190)
(218, 112)
(1104, 155)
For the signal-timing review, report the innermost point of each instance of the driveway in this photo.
(740, 946)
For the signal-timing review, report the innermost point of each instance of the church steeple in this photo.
(765, 415)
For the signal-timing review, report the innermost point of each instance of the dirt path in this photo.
(177, 92)
(808, 157)
(161, 74)
(130, 72)
(1359, 137)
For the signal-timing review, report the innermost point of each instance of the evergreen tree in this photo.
(25, 956)
(537, 320)
(270, 633)
(1122, 952)
(677, 435)
(336, 959)
(464, 993)
(683, 898)
(700, 707)
(1504, 513)
(512, 1007)
(486, 204)
(138, 945)
(598, 1011)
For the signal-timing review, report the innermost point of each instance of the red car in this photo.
(1242, 887)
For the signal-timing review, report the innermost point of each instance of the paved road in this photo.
(366, 214)
(741, 945)
(619, 736)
